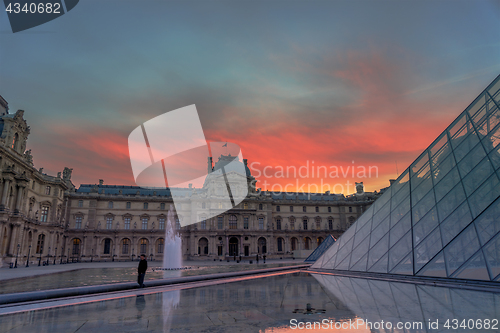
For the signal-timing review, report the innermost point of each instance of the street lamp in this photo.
(40, 257)
(92, 255)
(48, 255)
(15, 265)
(55, 256)
(28, 261)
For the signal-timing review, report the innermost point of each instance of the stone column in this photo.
(13, 239)
(19, 198)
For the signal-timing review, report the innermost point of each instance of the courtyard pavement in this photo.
(34, 270)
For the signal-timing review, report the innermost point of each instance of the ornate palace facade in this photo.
(46, 219)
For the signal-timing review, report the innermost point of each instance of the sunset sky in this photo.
(340, 83)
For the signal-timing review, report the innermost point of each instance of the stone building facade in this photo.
(45, 219)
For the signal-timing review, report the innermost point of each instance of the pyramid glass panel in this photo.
(492, 255)
(441, 217)
(436, 267)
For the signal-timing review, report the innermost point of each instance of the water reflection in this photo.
(393, 302)
(170, 301)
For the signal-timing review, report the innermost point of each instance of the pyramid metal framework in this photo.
(441, 217)
(316, 254)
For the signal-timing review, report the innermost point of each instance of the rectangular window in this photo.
(162, 223)
(110, 204)
(107, 246)
(245, 205)
(203, 205)
(39, 245)
(304, 222)
(317, 209)
(330, 224)
(128, 205)
(233, 222)
(47, 190)
(291, 209)
(277, 208)
(78, 222)
(45, 214)
(278, 224)
(144, 223)
(109, 222)
(127, 223)
(33, 185)
(329, 209)
(146, 205)
(220, 222)
(80, 203)
(219, 250)
(245, 223)
(203, 225)
(318, 224)
(177, 224)
(144, 246)
(304, 209)
(350, 209)
(162, 205)
(261, 223)
(292, 224)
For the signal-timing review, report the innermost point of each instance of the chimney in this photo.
(101, 182)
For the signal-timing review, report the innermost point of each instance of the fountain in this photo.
(172, 253)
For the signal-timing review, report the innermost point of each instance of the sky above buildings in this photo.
(333, 84)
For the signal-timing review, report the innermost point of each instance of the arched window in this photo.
(76, 246)
(319, 240)
(307, 243)
(39, 245)
(107, 246)
(125, 245)
(294, 243)
(203, 246)
(144, 246)
(161, 245)
(262, 245)
(233, 222)
(280, 244)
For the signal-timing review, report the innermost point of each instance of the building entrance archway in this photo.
(233, 246)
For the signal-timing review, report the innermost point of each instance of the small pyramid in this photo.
(321, 249)
(441, 217)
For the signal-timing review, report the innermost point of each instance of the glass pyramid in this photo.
(321, 249)
(441, 217)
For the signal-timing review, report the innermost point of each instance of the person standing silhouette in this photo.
(141, 270)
